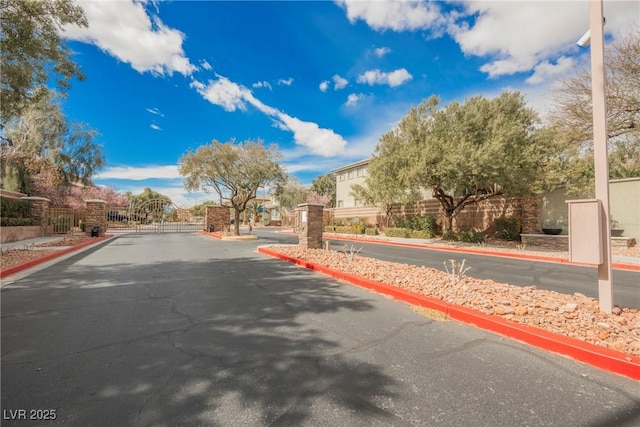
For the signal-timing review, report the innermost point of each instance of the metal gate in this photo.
(155, 215)
(63, 220)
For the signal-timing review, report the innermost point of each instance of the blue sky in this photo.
(321, 79)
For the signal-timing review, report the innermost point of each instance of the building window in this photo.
(340, 203)
(342, 177)
(350, 175)
(360, 172)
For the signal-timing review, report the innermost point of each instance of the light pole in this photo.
(600, 150)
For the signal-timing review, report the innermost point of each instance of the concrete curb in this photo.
(599, 357)
(542, 258)
(241, 238)
(54, 254)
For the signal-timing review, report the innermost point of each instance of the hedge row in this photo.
(463, 236)
(15, 208)
(14, 222)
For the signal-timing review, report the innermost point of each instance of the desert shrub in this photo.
(508, 228)
(397, 232)
(14, 222)
(371, 231)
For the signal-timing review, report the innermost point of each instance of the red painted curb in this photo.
(54, 254)
(214, 235)
(616, 265)
(591, 354)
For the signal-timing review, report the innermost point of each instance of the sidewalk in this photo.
(28, 243)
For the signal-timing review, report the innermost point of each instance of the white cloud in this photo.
(155, 126)
(262, 84)
(511, 36)
(324, 142)
(545, 70)
(324, 85)
(231, 96)
(353, 99)
(395, 15)
(155, 111)
(223, 92)
(124, 30)
(339, 82)
(381, 51)
(286, 82)
(393, 79)
(521, 36)
(139, 173)
(204, 64)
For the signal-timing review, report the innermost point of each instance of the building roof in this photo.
(352, 166)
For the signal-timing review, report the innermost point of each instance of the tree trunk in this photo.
(448, 221)
(236, 218)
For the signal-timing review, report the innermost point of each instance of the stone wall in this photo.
(311, 225)
(218, 216)
(561, 242)
(96, 216)
(40, 212)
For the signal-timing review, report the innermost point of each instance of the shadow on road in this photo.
(194, 342)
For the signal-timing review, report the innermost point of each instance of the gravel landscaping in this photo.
(576, 315)
(13, 257)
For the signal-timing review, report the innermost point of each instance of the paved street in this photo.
(181, 329)
(562, 278)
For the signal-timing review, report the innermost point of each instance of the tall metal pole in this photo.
(600, 150)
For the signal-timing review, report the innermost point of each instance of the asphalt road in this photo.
(181, 329)
(563, 278)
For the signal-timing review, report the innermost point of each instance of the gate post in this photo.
(40, 212)
(217, 216)
(96, 216)
(311, 225)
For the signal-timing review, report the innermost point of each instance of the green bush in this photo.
(451, 236)
(397, 232)
(418, 223)
(421, 234)
(371, 231)
(463, 236)
(15, 208)
(471, 237)
(14, 222)
(508, 228)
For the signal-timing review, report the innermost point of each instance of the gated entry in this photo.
(156, 215)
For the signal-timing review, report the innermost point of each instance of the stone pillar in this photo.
(532, 215)
(311, 226)
(218, 216)
(96, 216)
(40, 212)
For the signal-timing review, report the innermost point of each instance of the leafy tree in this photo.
(574, 114)
(199, 210)
(150, 206)
(42, 140)
(325, 185)
(234, 170)
(465, 152)
(290, 193)
(32, 51)
(384, 184)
